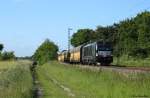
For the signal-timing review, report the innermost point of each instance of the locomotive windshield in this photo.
(104, 46)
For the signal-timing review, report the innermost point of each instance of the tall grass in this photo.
(130, 61)
(90, 84)
(15, 80)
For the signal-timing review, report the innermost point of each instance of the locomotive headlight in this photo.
(96, 54)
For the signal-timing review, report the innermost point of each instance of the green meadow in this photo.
(15, 79)
(65, 81)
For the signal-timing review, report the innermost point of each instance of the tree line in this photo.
(6, 55)
(129, 37)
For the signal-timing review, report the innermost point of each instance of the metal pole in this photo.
(68, 54)
(69, 29)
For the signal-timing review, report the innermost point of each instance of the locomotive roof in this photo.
(90, 44)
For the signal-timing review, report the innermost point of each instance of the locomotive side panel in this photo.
(89, 54)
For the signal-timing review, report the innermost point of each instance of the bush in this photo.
(47, 51)
(7, 56)
(140, 52)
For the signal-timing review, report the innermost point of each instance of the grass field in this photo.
(15, 79)
(59, 80)
(130, 61)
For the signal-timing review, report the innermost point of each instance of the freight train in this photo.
(91, 53)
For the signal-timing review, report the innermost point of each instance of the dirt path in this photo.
(66, 89)
(37, 91)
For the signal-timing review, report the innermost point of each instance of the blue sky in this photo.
(25, 24)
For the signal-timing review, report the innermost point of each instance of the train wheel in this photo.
(104, 64)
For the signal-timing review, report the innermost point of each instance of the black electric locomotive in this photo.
(97, 52)
(91, 53)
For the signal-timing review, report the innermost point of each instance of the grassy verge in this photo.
(50, 90)
(15, 79)
(129, 61)
(90, 84)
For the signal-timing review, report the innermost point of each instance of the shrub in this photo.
(140, 52)
(47, 51)
(7, 56)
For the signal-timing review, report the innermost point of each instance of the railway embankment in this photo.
(125, 70)
(60, 80)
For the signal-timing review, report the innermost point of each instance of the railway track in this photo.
(126, 70)
(121, 69)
